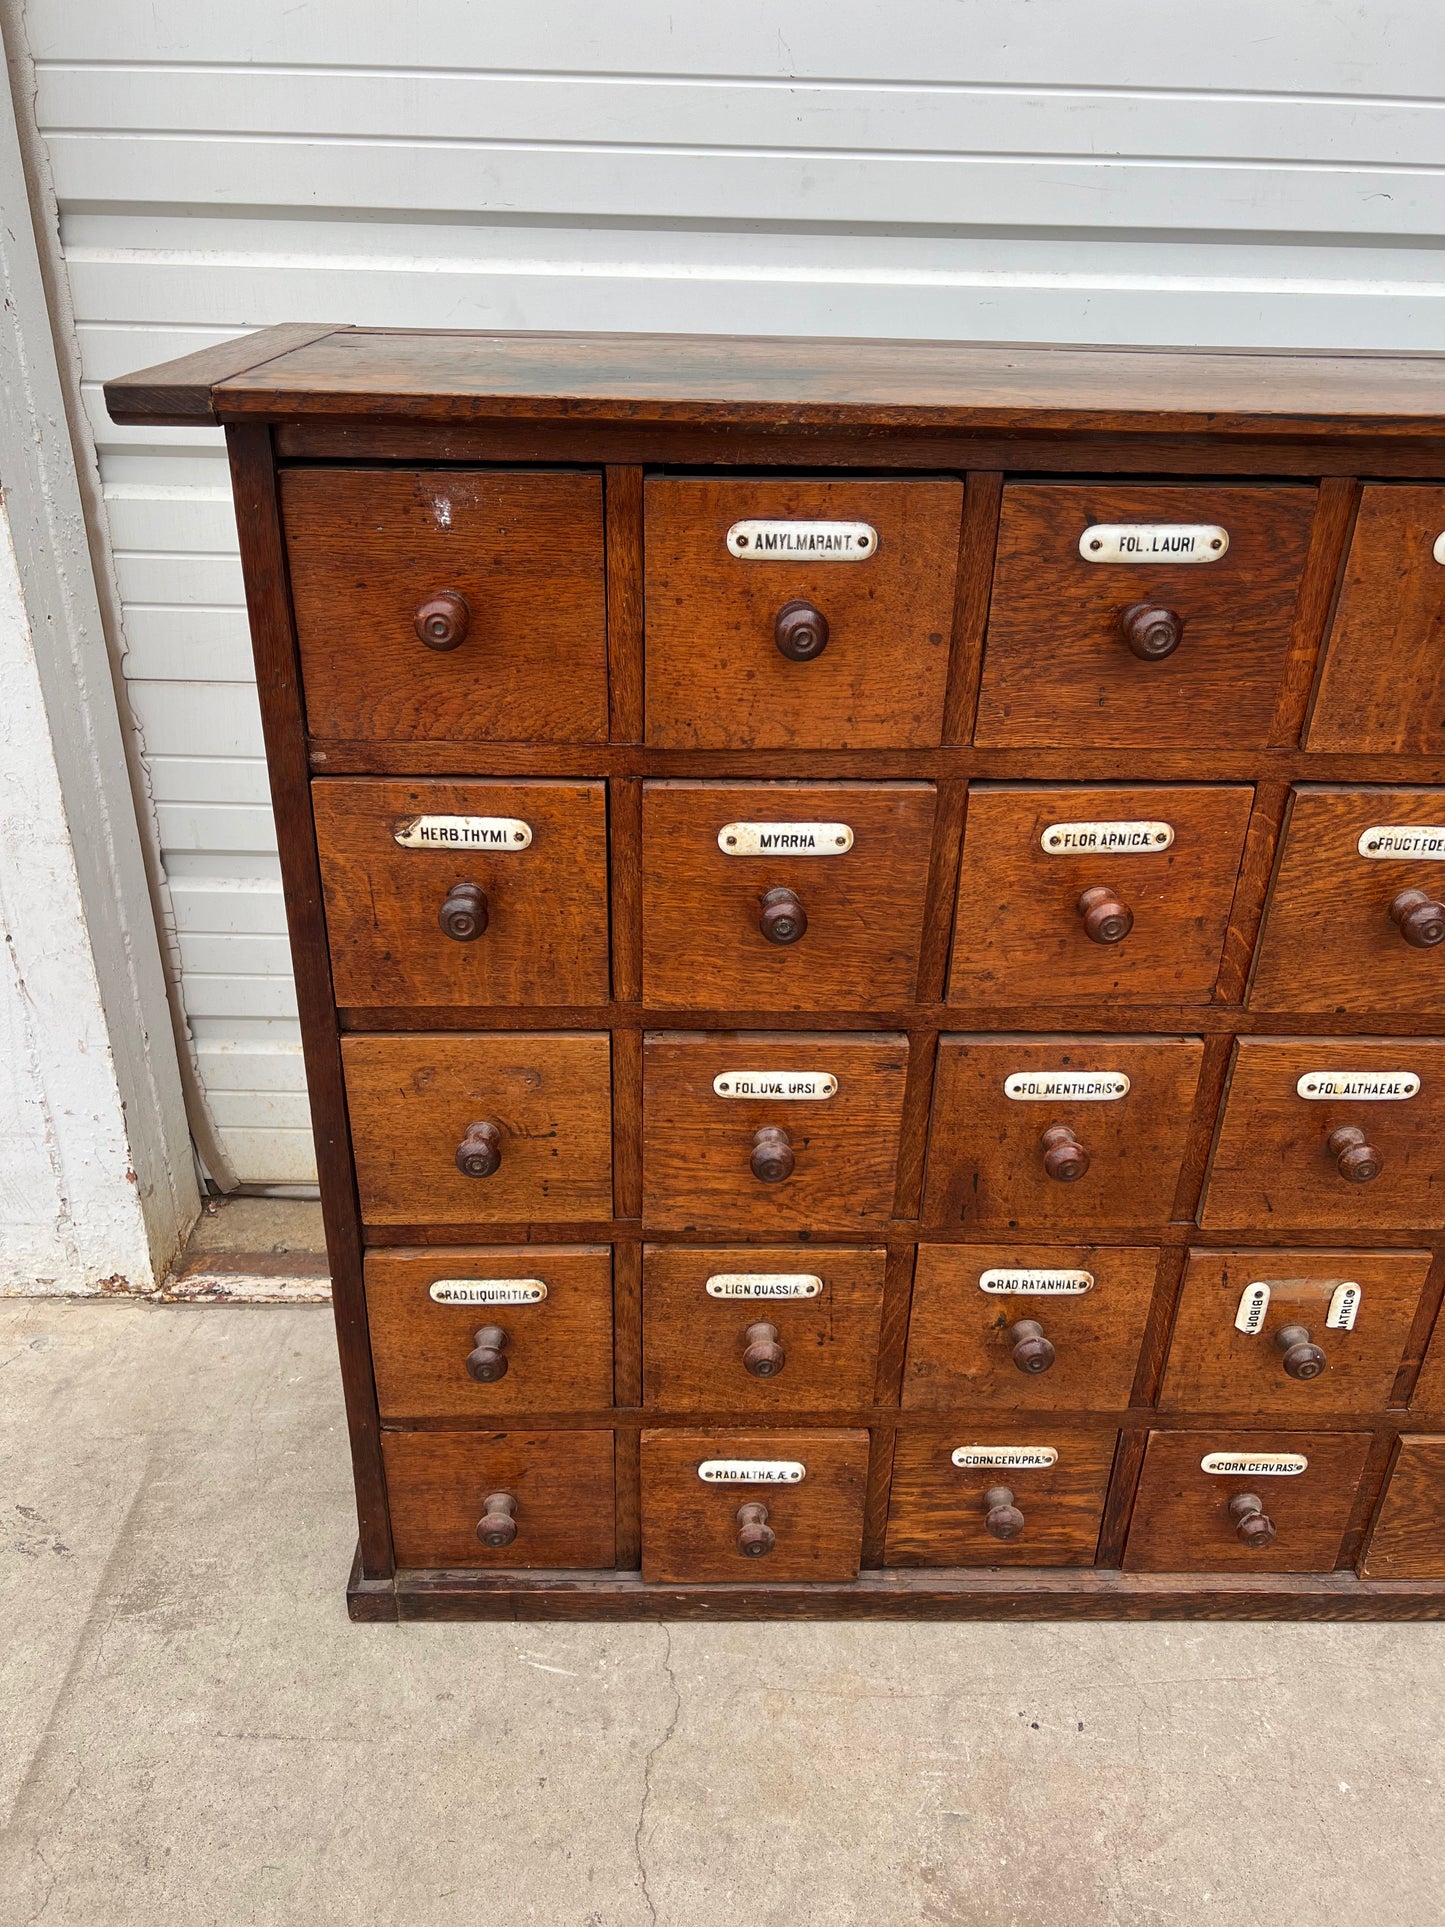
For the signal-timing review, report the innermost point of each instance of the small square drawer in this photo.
(749, 1328)
(501, 1499)
(1408, 1539)
(1291, 1332)
(1027, 1328)
(464, 893)
(1331, 1134)
(1070, 894)
(1062, 1133)
(1356, 918)
(481, 1129)
(983, 1496)
(447, 605)
(770, 1132)
(798, 612)
(752, 1505)
(1139, 616)
(783, 896)
(501, 1328)
(1244, 1501)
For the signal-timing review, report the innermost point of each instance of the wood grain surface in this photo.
(936, 1512)
(1408, 1541)
(561, 1481)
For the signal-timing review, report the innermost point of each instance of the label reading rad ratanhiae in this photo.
(785, 839)
(1262, 1465)
(803, 541)
(1106, 839)
(1073, 1087)
(1029, 1283)
(763, 1284)
(1154, 542)
(1403, 843)
(752, 1471)
(463, 833)
(488, 1291)
(1365, 1087)
(787, 1087)
(1005, 1458)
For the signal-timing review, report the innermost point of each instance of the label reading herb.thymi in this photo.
(1365, 1087)
(463, 833)
(785, 839)
(789, 1087)
(1073, 1087)
(803, 541)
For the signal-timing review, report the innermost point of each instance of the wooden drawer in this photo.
(560, 1485)
(717, 674)
(1214, 1366)
(458, 913)
(1382, 683)
(1067, 894)
(965, 1345)
(1059, 666)
(434, 1316)
(1429, 1392)
(523, 653)
(750, 1328)
(800, 1495)
(1279, 1158)
(720, 915)
(990, 1162)
(1408, 1540)
(1183, 1520)
(964, 1510)
(705, 1154)
(544, 1096)
(1330, 940)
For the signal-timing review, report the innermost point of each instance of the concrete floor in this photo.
(192, 1732)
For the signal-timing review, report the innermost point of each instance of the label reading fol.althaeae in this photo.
(763, 1284)
(1029, 1283)
(1066, 1087)
(1005, 1458)
(1364, 1087)
(1105, 839)
(1255, 1465)
(1403, 842)
(463, 833)
(1253, 1304)
(752, 1471)
(1154, 542)
(788, 1087)
(488, 1291)
(785, 839)
(803, 541)
(1344, 1305)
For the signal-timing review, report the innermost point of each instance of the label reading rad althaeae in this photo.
(1368, 1087)
(463, 833)
(785, 839)
(1344, 1304)
(1112, 839)
(488, 1291)
(1264, 1465)
(1253, 1304)
(763, 1284)
(752, 1471)
(1006, 1458)
(789, 1087)
(1036, 1284)
(1154, 542)
(1403, 842)
(803, 541)
(1074, 1087)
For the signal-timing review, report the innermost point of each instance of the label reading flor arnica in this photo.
(1106, 839)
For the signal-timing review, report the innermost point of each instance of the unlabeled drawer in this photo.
(464, 893)
(509, 1499)
(1408, 1540)
(783, 896)
(978, 1495)
(449, 604)
(493, 1329)
(760, 1505)
(1027, 1328)
(1059, 1133)
(1331, 1134)
(1067, 894)
(1244, 1501)
(750, 1328)
(1291, 1332)
(481, 1129)
(1429, 1392)
(1106, 628)
(828, 627)
(1356, 918)
(770, 1132)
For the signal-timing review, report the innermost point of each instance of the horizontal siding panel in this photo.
(177, 717)
(186, 645)
(248, 906)
(232, 955)
(238, 995)
(261, 1110)
(161, 577)
(238, 1066)
(234, 866)
(208, 779)
(158, 518)
(216, 826)
(271, 1156)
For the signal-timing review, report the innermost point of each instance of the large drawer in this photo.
(979, 1495)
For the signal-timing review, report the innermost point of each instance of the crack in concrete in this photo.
(647, 1772)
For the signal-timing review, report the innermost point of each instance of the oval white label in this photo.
(762, 1284)
(1403, 842)
(1265, 1465)
(790, 1087)
(752, 1471)
(1036, 1284)
(1369, 1087)
(1253, 1304)
(1439, 549)
(488, 1291)
(463, 833)
(1005, 1458)
(1075, 1087)
(803, 541)
(1109, 839)
(785, 839)
(1154, 542)
(1344, 1304)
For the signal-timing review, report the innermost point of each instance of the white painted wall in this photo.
(1265, 172)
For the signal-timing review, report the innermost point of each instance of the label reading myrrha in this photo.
(788, 1087)
(488, 1291)
(1072, 1087)
(803, 541)
(1106, 839)
(1261, 1465)
(1035, 1284)
(761, 1284)
(1344, 1305)
(785, 839)
(1154, 542)
(463, 833)
(752, 1471)
(1364, 1087)
(1005, 1458)
(1253, 1304)
(1403, 843)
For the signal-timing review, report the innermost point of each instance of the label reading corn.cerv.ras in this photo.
(1072, 1087)
(1255, 1465)
(463, 833)
(1106, 839)
(1364, 1087)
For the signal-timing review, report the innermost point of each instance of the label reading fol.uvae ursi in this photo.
(488, 1291)
(1105, 839)
(1403, 842)
(1073, 1087)
(1154, 542)
(752, 1471)
(1365, 1087)
(803, 541)
(1255, 1465)
(1035, 1284)
(1005, 1458)
(463, 833)
(763, 1284)
(785, 839)
(791, 1087)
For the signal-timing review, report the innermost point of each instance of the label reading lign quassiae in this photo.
(763, 1284)
(1073, 1087)
(1026, 1282)
(1364, 1087)
(1106, 839)
(752, 1471)
(788, 1087)
(1005, 1458)
(1403, 843)
(488, 1291)
(463, 833)
(803, 541)
(785, 839)
(1154, 542)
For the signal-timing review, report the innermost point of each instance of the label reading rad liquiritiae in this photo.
(1074, 1087)
(763, 1284)
(1263, 1465)
(488, 1291)
(1344, 1304)
(1005, 1458)
(1111, 839)
(752, 1471)
(1036, 1284)
(463, 833)
(785, 839)
(1153, 542)
(1253, 1304)
(1367, 1087)
(1403, 842)
(789, 1087)
(803, 541)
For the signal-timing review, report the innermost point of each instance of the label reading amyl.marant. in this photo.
(785, 839)
(1263, 1465)
(793, 1087)
(1035, 1284)
(463, 833)
(1154, 542)
(1075, 1087)
(803, 541)
(752, 1471)
(1005, 1458)
(488, 1291)
(1365, 1087)
(763, 1284)
(1403, 842)
(1112, 839)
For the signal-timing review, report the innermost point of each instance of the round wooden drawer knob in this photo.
(497, 1526)
(488, 1362)
(1301, 1359)
(1419, 919)
(1149, 632)
(783, 918)
(772, 1158)
(756, 1537)
(463, 916)
(480, 1152)
(1251, 1527)
(1355, 1160)
(1001, 1517)
(763, 1356)
(1106, 920)
(1065, 1159)
(800, 631)
(1032, 1352)
(442, 620)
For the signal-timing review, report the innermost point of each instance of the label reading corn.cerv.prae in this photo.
(1073, 1087)
(1260, 1465)
(763, 1284)
(752, 1471)
(1105, 839)
(1403, 843)
(1005, 1458)
(463, 833)
(488, 1291)
(785, 839)
(789, 1087)
(1035, 1284)
(1365, 1087)
(803, 541)
(1153, 542)
(1253, 1304)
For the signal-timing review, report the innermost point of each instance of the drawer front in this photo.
(1382, 683)
(1429, 1392)
(1291, 1360)
(1130, 654)
(719, 622)
(783, 896)
(1001, 1505)
(787, 1505)
(1069, 1153)
(1187, 1519)
(473, 1331)
(503, 570)
(1347, 928)
(779, 1163)
(464, 893)
(750, 1328)
(1027, 1328)
(554, 1490)
(1067, 894)
(539, 1103)
(1285, 1159)
(1408, 1540)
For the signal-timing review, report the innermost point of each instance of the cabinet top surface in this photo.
(299, 370)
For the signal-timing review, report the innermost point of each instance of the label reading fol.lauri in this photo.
(1365, 1087)
(1344, 1305)
(1403, 842)
(752, 1471)
(1005, 1458)
(803, 541)
(1073, 1087)
(488, 1291)
(1109, 839)
(1035, 1284)
(1154, 542)
(763, 1284)
(785, 839)
(1260, 1465)
(463, 833)
(1253, 1304)
(791, 1087)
